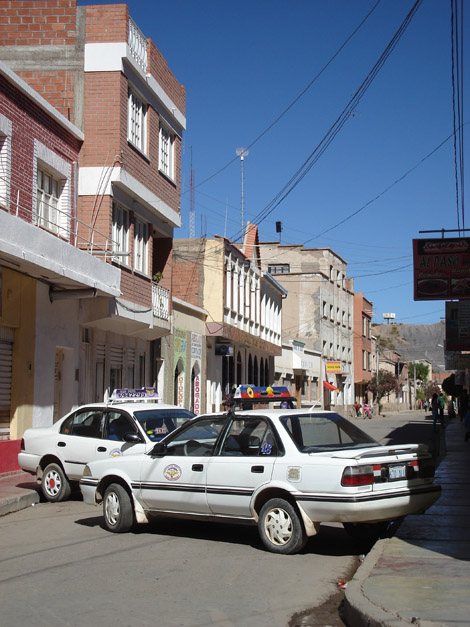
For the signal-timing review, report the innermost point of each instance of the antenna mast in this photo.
(242, 153)
(192, 227)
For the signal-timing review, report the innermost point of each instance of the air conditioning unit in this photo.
(224, 349)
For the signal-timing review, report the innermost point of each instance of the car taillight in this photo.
(22, 444)
(357, 475)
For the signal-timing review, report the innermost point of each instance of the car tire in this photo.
(368, 532)
(55, 485)
(117, 509)
(280, 527)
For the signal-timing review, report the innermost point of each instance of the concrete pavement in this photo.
(421, 576)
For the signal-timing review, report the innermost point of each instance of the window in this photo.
(280, 268)
(140, 246)
(5, 160)
(120, 231)
(250, 438)
(48, 194)
(364, 326)
(167, 141)
(364, 360)
(325, 309)
(137, 121)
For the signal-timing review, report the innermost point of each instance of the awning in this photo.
(329, 386)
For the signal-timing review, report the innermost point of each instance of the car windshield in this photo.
(157, 423)
(314, 433)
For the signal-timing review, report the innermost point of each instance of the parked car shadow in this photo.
(332, 540)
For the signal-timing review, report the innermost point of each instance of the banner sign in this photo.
(441, 268)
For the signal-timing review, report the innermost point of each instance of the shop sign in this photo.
(441, 268)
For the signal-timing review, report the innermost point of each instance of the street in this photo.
(60, 567)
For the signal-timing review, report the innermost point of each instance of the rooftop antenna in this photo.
(242, 153)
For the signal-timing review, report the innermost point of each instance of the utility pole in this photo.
(242, 153)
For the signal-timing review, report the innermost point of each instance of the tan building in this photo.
(318, 312)
(243, 304)
(363, 355)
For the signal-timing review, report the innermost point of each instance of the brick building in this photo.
(363, 355)
(97, 69)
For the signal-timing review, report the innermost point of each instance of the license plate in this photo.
(397, 472)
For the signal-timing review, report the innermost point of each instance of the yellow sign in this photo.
(333, 366)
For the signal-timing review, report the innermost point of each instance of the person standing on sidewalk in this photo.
(441, 408)
(434, 410)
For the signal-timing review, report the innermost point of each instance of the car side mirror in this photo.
(159, 450)
(132, 438)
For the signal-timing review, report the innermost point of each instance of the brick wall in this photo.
(160, 70)
(106, 23)
(39, 23)
(30, 123)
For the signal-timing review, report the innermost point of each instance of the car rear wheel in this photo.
(281, 528)
(117, 509)
(55, 485)
(369, 532)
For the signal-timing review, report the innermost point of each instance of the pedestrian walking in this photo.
(435, 412)
(441, 407)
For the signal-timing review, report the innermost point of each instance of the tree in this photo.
(383, 384)
(422, 372)
(450, 387)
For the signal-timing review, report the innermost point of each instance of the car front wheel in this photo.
(117, 509)
(281, 528)
(55, 485)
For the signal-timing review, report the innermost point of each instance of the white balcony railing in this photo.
(137, 44)
(160, 301)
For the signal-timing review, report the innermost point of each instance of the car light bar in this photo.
(128, 394)
(250, 392)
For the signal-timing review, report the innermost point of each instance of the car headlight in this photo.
(87, 471)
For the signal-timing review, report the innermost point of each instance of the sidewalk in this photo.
(421, 576)
(17, 491)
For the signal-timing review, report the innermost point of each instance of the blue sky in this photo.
(243, 63)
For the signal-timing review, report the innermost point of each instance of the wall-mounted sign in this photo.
(441, 268)
(458, 326)
(333, 366)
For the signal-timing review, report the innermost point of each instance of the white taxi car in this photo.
(286, 470)
(133, 421)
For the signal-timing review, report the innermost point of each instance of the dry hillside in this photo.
(414, 341)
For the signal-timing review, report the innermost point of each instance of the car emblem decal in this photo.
(116, 452)
(293, 473)
(172, 472)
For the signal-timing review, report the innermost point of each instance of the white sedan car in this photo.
(131, 422)
(286, 470)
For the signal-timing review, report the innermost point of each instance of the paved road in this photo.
(58, 567)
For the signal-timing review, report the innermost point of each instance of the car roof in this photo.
(130, 406)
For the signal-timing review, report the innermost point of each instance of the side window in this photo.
(198, 439)
(86, 424)
(250, 438)
(117, 425)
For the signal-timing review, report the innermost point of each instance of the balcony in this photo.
(160, 302)
(137, 45)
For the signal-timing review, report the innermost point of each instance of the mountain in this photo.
(414, 341)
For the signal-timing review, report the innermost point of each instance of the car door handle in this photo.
(197, 467)
(101, 449)
(257, 469)
(60, 443)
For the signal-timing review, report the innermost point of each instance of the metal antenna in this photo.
(242, 153)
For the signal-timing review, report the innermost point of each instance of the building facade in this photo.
(363, 354)
(95, 67)
(243, 304)
(318, 312)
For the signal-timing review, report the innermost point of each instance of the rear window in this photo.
(158, 423)
(313, 433)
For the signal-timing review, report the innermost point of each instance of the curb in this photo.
(14, 503)
(359, 611)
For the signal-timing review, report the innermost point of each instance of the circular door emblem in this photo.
(172, 472)
(116, 452)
